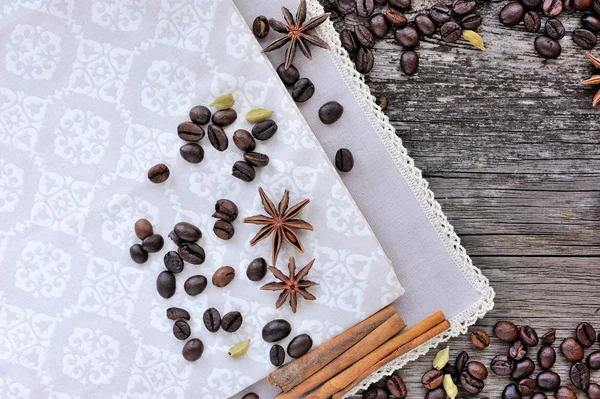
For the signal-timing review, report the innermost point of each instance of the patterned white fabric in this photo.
(90, 96)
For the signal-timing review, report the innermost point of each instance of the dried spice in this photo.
(474, 38)
(441, 358)
(291, 285)
(239, 349)
(258, 115)
(223, 102)
(595, 79)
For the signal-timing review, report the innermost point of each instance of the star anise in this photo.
(296, 33)
(594, 80)
(292, 285)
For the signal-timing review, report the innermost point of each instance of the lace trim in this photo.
(420, 188)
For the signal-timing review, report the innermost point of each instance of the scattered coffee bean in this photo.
(523, 368)
(432, 379)
(528, 336)
(549, 338)
(571, 350)
(440, 14)
(552, 8)
(593, 391)
(251, 395)
(143, 229)
(344, 161)
(348, 40)
(375, 393)
(158, 173)
(277, 355)
(192, 350)
(243, 171)
(153, 243)
(165, 284)
(531, 4)
(177, 313)
(379, 26)
(181, 330)
(276, 330)
(408, 37)
(477, 370)
(480, 339)
(260, 26)
(232, 321)
(364, 36)
(223, 276)
(257, 269)
(581, 5)
(395, 17)
(511, 392)
(195, 285)
(401, 4)
(212, 320)
(463, 7)
(511, 14)
(425, 25)
(223, 117)
(189, 131)
(565, 393)
(409, 62)
(345, 7)
(532, 21)
(527, 386)
(580, 376)
(225, 210)
(330, 112)
(591, 22)
(450, 32)
(138, 254)
(303, 90)
(244, 140)
(187, 232)
(217, 137)
(256, 159)
(364, 8)
(396, 386)
(223, 229)
(506, 331)
(192, 253)
(548, 380)
(517, 351)
(586, 334)
(364, 60)
(546, 357)
(471, 21)
(538, 395)
(461, 362)
(555, 29)
(471, 384)
(593, 360)
(547, 47)
(200, 115)
(502, 365)
(192, 152)
(382, 101)
(299, 345)
(173, 262)
(437, 393)
(289, 77)
(264, 130)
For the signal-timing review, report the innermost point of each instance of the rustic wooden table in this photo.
(511, 148)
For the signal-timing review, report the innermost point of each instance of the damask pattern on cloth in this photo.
(90, 97)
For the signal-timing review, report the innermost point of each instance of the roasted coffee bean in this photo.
(511, 14)
(348, 40)
(264, 130)
(401, 4)
(552, 8)
(345, 7)
(547, 47)
(138, 254)
(440, 14)
(192, 350)
(463, 7)
(378, 25)
(192, 152)
(330, 112)
(546, 357)
(548, 380)
(580, 376)
(192, 253)
(200, 115)
(190, 131)
(425, 25)
(528, 336)
(511, 392)
(250, 395)
(224, 230)
(437, 393)
(506, 331)
(593, 360)
(195, 285)
(409, 62)
(564, 393)
(523, 368)
(257, 269)
(212, 320)
(299, 345)
(471, 21)
(364, 60)
(527, 386)
(586, 335)
(461, 362)
(471, 384)
(502, 365)
(181, 330)
(260, 26)
(549, 338)
(177, 313)
(288, 76)
(143, 228)
(223, 276)
(165, 284)
(451, 371)
(187, 232)
(569, 6)
(364, 36)
(480, 339)
(153, 243)
(538, 395)
(226, 210)
(244, 140)
(344, 161)
(231, 322)
(256, 159)
(477, 370)
(593, 391)
(571, 350)
(277, 355)
(173, 262)
(531, 4)
(276, 330)
(364, 8)
(217, 137)
(582, 5)
(591, 22)
(408, 37)
(396, 387)
(375, 393)
(158, 173)
(396, 18)
(224, 117)
(517, 351)
(243, 171)
(532, 21)
(450, 32)
(555, 29)
(382, 101)
(176, 240)
(303, 90)
(432, 379)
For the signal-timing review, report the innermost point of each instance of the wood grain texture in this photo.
(511, 148)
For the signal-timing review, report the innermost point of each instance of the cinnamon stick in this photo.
(374, 340)
(293, 373)
(440, 328)
(349, 375)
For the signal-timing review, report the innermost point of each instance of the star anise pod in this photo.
(291, 285)
(296, 33)
(280, 222)
(594, 80)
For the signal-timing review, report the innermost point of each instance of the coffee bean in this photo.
(223, 276)
(502, 365)
(582, 5)
(552, 8)
(396, 386)
(364, 60)
(477, 370)
(364, 8)
(232, 321)
(471, 21)
(264, 130)
(580, 376)
(256, 159)
(569, 6)
(548, 380)
(382, 101)
(528, 336)
(289, 77)
(348, 40)
(564, 393)
(538, 395)
(432, 379)
(511, 392)
(437, 393)
(138, 254)
(243, 171)
(409, 62)
(450, 32)
(250, 395)
(364, 36)
(407, 37)
(303, 90)
(379, 26)
(224, 230)
(555, 29)
(177, 313)
(173, 262)
(549, 338)
(517, 351)
(187, 232)
(471, 384)
(192, 350)
(463, 7)
(345, 7)
(425, 25)
(532, 21)
(547, 47)
(181, 330)
(586, 334)
(244, 140)
(440, 13)
(523, 368)
(449, 369)
(506, 331)
(299, 345)
(217, 137)
(571, 350)
(511, 14)
(212, 320)
(200, 115)
(401, 4)
(277, 355)
(527, 386)
(165, 284)
(591, 22)
(593, 391)
(192, 253)
(480, 339)
(143, 228)
(195, 285)
(593, 360)
(158, 173)
(344, 161)
(257, 269)
(189, 131)
(276, 330)
(153, 243)
(396, 18)
(330, 112)
(546, 357)
(375, 393)
(531, 4)
(461, 362)
(225, 210)
(224, 117)
(260, 26)
(192, 152)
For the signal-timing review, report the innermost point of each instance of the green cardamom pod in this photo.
(223, 102)
(450, 387)
(258, 115)
(239, 349)
(441, 359)
(474, 38)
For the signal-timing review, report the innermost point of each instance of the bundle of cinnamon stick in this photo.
(337, 366)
